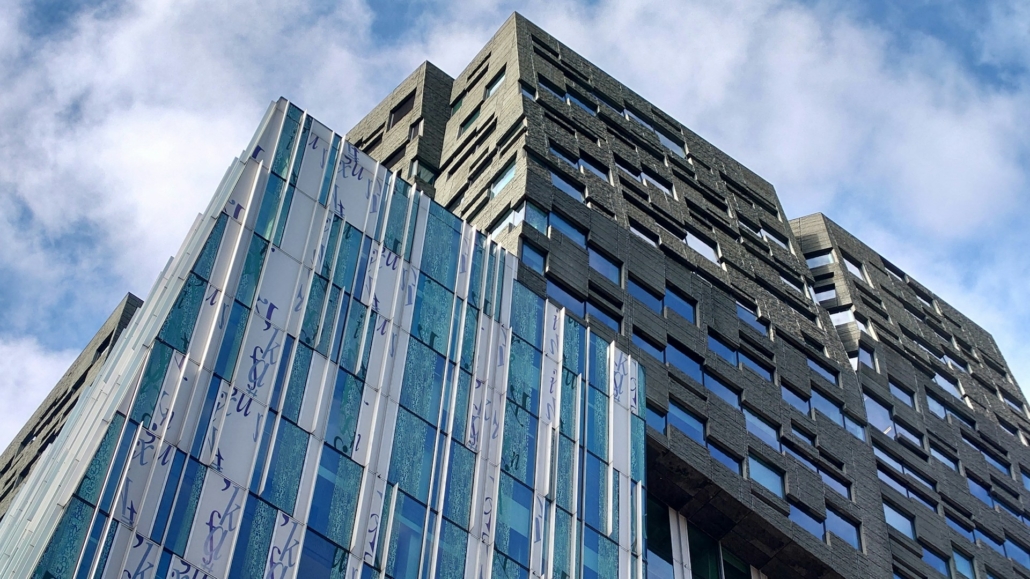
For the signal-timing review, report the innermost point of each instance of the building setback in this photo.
(521, 322)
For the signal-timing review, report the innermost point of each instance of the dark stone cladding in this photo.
(45, 424)
(470, 144)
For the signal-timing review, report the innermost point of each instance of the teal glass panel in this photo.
(527, 315)
(286, 466)
(265, 223)
(598, 363)
(90, 549)
(313, 314)
(704, 555)
(488, 288)
(443, 238)
(597, 422)
(595, 492)
(329, 257)
(299, 158)
(280, 377)
(450, 559)
(284, 214)
(600, 556)
(499, 288)
(343, 412)
(638, 440)
(563, 533)
(460, 476)
(254, 536)
(336, 496)
(96, 472)
(431, 319)
(505, 568)
(574, 350)
(423, 381)
(206, 259)
(320, 559)
(406, 538)
(396, 220)
(412, 219)
(117, 465)
(164, 508)
(251, 271)
(352, 336)
(62, 552)
(567, 418)
(411, 463)
(370, 329)
(613, 532)
(287, 140)
(106, 551)
(185, 506)
(294, 396)
(524, 374)
(327, 178)
(456, 326)
(178, 326)
(332, 308)
(347, 258)
(461, 406)
(476, 273)
(468, 344)
(514, 518)
(565, 478)
(229, 351)
(518, 453)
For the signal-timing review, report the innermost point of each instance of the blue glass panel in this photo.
(343, 412)
(605, 266)
(515, 514)
(534, 258)
(411, 463)
(598, 375)
(164, 508)
(595, 492)
(286, 466)
(573, 233)
(491, 274)
(280, 378)
(406, 539)
(725, 459)
(842, 527)
(599, 315)
(677, 357)
(450, 560)
(567, 417)
(262, 452)
(563, 532)
(332, 308)
(680, 305)
(206, 259)
(750, 318)
(185, 506)
(564, 479)
(151, 382)
(443, 236)
(205, 417)
(287, 140)
(178, 326)
(755, 366)
(265, 222)
(828, 407)
(795, 400)
(722, 349)
(255, 535)
(106, 551)
(93, 480)
(518, 454)
(647, 346)
(431, 319)
(505, 568)
(600, 556)
(320, 559)
(644, 295)
(336, 496)
(117, 465)
(347, 258)
(686, 422)
(468, 344)
(596, 423)
(659, 540)
(327, 178)
(570, 188)
(476, 273)
(329, 257)
(62, 552)
(460, 477)
(229, 351)
(313, 313)
(806, 521)
(527, 315)
(299, 158)
(96, 531)
(761, 428)
(524, 374)
(461, 406)
(563, 298)
(820, 369)
(251, 270)
(284, 213)
(422, 385)
(574, 348)
(298, 382)
(164, 564)
(764, 474)
(638, 441)
(715, 386)
(935, 561)
(393, 237)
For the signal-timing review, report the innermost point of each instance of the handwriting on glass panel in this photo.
(220, 523)
(262, 358)
(144, 565)
(282, 558)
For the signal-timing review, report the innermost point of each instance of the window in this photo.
(562, 297)
(592, 166)
(503, 179)
(943, 410)
(723, 457)
(528, 92)
(561, 154)
(963, 565)
(681, 305)
(902, 394)
(494, 85)
(828, 374)
(641, 232)
(841, 317)
(899, 520)
(582, 103)
(945, 457)
(762, 428)
(533, 257)
(599, 314)
(980, 491)
(686, 422)
(807, 521)
(644, 295)
(657, 182)
(552, 88)
(1013, 402)
(570, 188)
(825, 293)
(402, 109)
(716, 386)
(843, 528)
(936, 562)
(457, 104)
(708, 249)
(749, 316)
(765, 474)
(568, 230)
(794, 399)
(819, 259)
(854, 267)
(636, 117)
(793, 283)
(467, 123)
(949, 384)
(669, 143)
(646, 344)
(605, 266)
(865, 356)
(722, 349)
(748, 361)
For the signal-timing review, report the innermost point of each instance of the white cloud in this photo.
(27, 365)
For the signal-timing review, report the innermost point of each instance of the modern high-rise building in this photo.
(523, 323)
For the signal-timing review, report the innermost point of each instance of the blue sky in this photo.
(904, 122)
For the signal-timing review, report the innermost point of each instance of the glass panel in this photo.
(255, 535)
(761, 428)
(229, 351)
(185, 506)
(406, 539)
(749, 317)
(644, 295)
(751, 364)
(450, 562)
(806, 521)
(574, 347)
(206, 259)
(443, 234)
(722, 349)
(715, 386)
(62, 551)
(600, 556)
(826, 406)
(320, 559)
(899, 521)
(93, 480)
(422, 385)
(765, 475)
(524, 374)
(411, 463)
(460, 476)
(563, 298)
(728, 461)
(821, 258)
(685, 421)
(518, 454)
(795, 400)
(568, 230)
(734, 567)
(605, 266)
(336, 496)
(515, 513)
(527, 315)
(820, 369)
(533, 258)
(704, 555)
(599, 315)
(298, 382)
(251, 270)
(842, 527)
(178, 326)
(286, 466)
(679, 304)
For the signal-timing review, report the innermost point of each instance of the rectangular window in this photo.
(569, 159)
(829, 375)
(936, 562)
(679, 304)
(644, 295)
(944, 457)
(766, 475)
(819, 259)
(855, 267)
(906, 397)
(656, 419)
(899, 520)
(402, 109)
(723, 457)
(501, 181)
(605, 266)
(657, 182)
(843, 528)
(641, 232)
(758, 368)
(562, 297)
(708, 249)
(716, 386)
(672, 144)
(722, 349)
(568, 230)
(552, 88)
(793, 283)
(677, 357)
(468, 122)
(494, 85)
(582, 103)
(592, 166)
(601, 315)
(635, 117)
(794, 399)
(806, 521)
(949, 384)
(825, 293)
(533, 257)
(570, 188)
(686, 422)
(762, 428)
(749, 316)
(645, 344)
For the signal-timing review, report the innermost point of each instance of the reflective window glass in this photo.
(765, 474)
